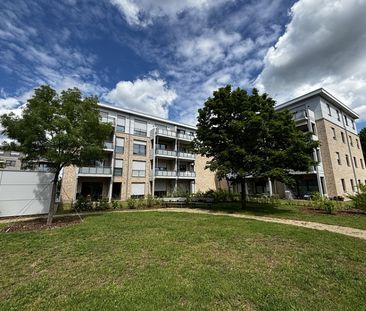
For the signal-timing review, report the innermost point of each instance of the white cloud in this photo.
(149, 95)
(143, 12)
(324, 46)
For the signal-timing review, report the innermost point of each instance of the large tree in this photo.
(62, 129)
(243, 135)
(362, 135)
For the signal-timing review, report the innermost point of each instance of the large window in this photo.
(138, 168)
(137, 190)
(120, 143)
(140, 128)
(121, 124)
(139, 148)
(118, 167)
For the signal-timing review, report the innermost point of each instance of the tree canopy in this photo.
(243, 135)
(362, 136)
(63, 129)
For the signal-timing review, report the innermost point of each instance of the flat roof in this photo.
(322, 93)
(145, 115)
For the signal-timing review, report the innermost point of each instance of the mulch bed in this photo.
(40, 224)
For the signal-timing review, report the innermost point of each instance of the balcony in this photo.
(186, 155)
(108, 120)
(188, 137)
(165, 174)
(165, 133)
(108, 145)
(187, 174)
(300, 116)
(168, 153)
(93, 170)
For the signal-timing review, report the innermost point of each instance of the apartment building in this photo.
(341, 165)
(144, 155)
(10, 160)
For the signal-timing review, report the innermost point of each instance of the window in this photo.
(357, 144)
(346, 120)
(14, 153)
(353, 124)
(10, 163)
(121, 124)
(137, 190)
(334, 133)
(120, 143)
(313, 129)
(139, 148)
(161, 146)
(138, 168)
(350, 141)
(329, 111)
(118, 167)
(343, 185)
(352, 185)
(140, 128)
(338, 158)
(343, 140)
(347, 160)
(359, 182)
(317, 152)
(162, 166)
(182, 167)
(354, 160)
(338, 116)
(361, 162)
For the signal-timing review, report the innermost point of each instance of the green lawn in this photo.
(294, 212)
(178, 261)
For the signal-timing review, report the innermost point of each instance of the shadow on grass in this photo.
(253, 208)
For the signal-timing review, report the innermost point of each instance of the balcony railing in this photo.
(300, 115)
(166, 173)
(166, 152)
(108, 120)
(185, 136)
(108, 145)
(163, 132)
(93, 170)
(187, 174)
(138, 173)
(186, 155)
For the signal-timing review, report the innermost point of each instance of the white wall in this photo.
(24, 193)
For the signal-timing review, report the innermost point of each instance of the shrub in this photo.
(131, 203)
(116, 204)
(359, 199)
(141, 203)
(82, 204)
(102, 204)
(323, 203)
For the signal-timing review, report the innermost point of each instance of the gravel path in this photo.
(353, 232)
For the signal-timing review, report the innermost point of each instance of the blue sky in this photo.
(166, 57)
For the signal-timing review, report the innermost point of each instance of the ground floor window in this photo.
(116, 190)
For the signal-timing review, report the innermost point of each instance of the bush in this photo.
(82, 204)
(116, 204)
(131, 203)
(323, 203)
(102, 204)
(141, 203)
(359, 199)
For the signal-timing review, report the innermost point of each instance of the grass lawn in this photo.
(294, 212)
(178, 261)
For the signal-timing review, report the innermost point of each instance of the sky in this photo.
(165, 58)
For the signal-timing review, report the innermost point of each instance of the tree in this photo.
(362, 135)
(62, 129)
(243, 135)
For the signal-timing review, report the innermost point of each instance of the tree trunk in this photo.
(52, 209)
(243, 195)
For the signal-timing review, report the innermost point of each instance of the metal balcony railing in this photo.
(165, 133)
(108, 145)
(187, 174)
(300, 115)
(166, 173)
(185, 136)
(93, 170)
(108, 120)
(166, 152)
(186, 155)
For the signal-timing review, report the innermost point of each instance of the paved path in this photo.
(353, 232)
